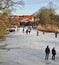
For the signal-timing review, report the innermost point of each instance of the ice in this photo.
(29, 49)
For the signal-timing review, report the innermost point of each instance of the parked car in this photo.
(12, 28)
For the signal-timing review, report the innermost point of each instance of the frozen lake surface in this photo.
(28, 49)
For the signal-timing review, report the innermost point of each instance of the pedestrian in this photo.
(26, 31)
(53, 53)
(37, 32)
(47, 52)
(23, 30)
(55, 34)
(43, 32)
(29, 31)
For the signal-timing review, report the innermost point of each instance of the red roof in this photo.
(23, 17)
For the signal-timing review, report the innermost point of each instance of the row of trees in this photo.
(47, 15)
(6, 8)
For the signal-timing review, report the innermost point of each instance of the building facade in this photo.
(24, 18)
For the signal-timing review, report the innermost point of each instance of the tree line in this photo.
(47, 15)
(6, 8)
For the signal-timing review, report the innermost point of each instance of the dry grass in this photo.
(48, 28)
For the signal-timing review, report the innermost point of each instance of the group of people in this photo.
(47, 52)
(28, 30)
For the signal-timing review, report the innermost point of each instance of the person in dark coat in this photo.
(53, 53)
(37, 32)
(23, 30)
(26, 31)
(47, 52)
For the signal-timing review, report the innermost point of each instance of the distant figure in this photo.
(37, 32)
(23, 30)
(43, 32)
(55, 34)
(26, 31)
(47, 51)
(53, 53)
(29, 30)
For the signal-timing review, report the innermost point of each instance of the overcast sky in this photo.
(31, 6)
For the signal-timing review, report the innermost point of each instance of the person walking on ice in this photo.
(53, 53)
(47, 52)
(37, 32)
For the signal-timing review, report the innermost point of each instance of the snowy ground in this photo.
(28, 49)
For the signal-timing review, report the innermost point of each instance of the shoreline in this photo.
(48, 31)
(49, 28)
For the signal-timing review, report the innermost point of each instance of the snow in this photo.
(29, 49)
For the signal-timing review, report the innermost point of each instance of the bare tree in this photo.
(9, 5)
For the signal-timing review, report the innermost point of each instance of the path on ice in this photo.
(29, 49)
